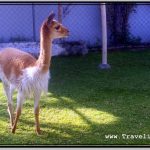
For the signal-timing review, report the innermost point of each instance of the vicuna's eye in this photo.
(57, 27)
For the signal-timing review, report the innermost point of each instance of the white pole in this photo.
(104, 64)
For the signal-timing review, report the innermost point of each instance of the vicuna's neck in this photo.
(45, 49)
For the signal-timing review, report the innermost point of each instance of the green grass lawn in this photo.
(85, 104)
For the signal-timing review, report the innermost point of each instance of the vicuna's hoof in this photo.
(38, 132)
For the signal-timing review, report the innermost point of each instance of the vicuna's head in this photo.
(53, 28)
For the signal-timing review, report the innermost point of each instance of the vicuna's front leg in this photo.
(36, 112)
(20, 100)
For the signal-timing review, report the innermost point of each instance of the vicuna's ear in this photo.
(50, 18)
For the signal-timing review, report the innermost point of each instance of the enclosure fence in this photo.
(127, 24)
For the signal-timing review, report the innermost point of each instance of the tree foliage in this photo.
(118, 25)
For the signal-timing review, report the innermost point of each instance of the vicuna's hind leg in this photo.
(9, 92)
(36, 112)
(20, 100)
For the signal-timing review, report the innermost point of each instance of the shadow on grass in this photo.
(77, 84)
(57, 134)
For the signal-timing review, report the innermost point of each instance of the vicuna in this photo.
(19, 70)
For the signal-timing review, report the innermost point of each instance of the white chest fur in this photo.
(33, 81)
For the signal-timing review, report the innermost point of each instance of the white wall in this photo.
(15, 20)
(83, 21)
(140, 22)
